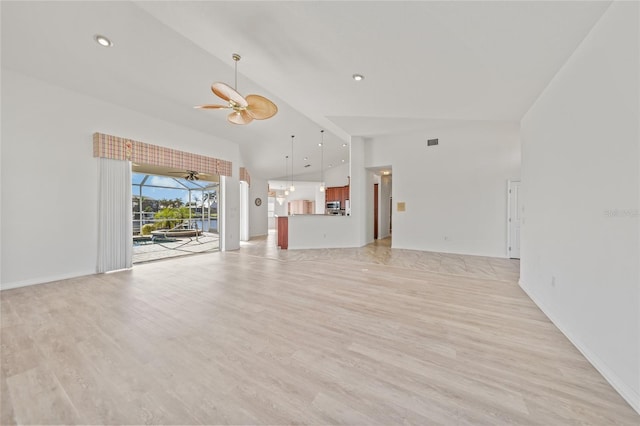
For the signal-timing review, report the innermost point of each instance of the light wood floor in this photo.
(354, 336)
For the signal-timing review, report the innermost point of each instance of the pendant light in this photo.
(286, 166)
(292, 188)
(321, 160)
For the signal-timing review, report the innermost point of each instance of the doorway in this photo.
(174, 213)
(380, 211)
(375, 211)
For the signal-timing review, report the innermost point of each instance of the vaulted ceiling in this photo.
(424, 63)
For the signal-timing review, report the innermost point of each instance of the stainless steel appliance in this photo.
(333, 207)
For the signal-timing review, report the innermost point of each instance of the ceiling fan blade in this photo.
(212, 106)
(240, 117)
(228, 94)
(260, 107)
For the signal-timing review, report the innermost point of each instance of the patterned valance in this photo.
(244, 175)
(114, 147)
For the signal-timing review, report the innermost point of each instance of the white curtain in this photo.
(115, 222)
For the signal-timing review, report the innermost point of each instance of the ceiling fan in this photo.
(190, 175)
(245, 109)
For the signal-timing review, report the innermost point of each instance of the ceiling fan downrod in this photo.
(236, 58)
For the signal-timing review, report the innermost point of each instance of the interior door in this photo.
(515, 212)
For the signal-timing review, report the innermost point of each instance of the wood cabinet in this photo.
(301, 207)
(338, 193)
(330, 194)
(282, 228)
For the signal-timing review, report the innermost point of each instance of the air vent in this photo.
(307, 165)
(432, 142)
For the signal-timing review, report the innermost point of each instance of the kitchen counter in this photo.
(307, 231)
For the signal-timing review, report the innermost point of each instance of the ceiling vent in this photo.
(432, 142)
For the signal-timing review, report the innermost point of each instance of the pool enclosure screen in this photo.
(165, 202)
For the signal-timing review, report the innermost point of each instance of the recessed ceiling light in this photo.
(344, 144)
(386, 173)
(102, 40)
(343, 161)
(306, 158)
(358, 77)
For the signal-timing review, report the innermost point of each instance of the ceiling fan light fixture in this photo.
(245, 109)
(102, 40)
(191, 176)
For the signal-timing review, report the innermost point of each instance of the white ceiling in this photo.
(425, 63)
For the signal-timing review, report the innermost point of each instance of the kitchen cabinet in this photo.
(330, 194)
(338, 193)
(282, 229)
(301, 207)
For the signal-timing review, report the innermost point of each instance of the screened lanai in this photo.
(174, 214)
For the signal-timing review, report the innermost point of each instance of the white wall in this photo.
(361, 192)
(456, 192)
(304, 191)
(580, 189)
(282, 209)
(258, 214)
(316, 231)
(244, 210)
(230, 219)
(321, 201)
(326, 231)
(337, 176)
(49, 174)
(309, 191)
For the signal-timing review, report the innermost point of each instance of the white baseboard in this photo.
(43, 280)
(629, 395)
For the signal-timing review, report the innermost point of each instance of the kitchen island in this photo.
(309, 231)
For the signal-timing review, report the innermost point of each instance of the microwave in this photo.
(333, 205)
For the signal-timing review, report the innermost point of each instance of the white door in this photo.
(515, 211)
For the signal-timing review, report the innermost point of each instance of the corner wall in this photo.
(455, 192)
(580, 187)
(258, 221)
